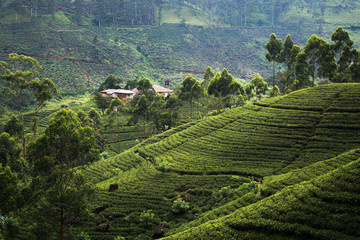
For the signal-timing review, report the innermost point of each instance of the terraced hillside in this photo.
(210, 164)
(322, 208)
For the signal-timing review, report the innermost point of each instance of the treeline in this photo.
(147, 12)
(103, 12)
(319, 61)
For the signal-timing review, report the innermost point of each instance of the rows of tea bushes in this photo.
(323, 208)
(145, 188)
(226, 209)
(274, 182)
(196, 161)
(278, 182)
(238, 141)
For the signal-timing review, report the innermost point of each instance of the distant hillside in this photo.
(80, 42)
(210, 164)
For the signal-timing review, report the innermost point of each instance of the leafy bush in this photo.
(225, 191)
(119, 238)
(83, 236)
(179, 206)
(147, 217)
(265, 192)
(163, 167)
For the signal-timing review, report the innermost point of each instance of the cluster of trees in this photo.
(157, 113)
(104, 12)
(147, 12)
(41, 183)
(319, 60)
(214, 92)
(241, 12)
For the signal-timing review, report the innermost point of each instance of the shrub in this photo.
(147, 217)
(225, 191)
(119, 238)
(163, 167)
(179, 206)
(83, 236)
(265, 192)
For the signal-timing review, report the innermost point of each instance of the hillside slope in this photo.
(196, 161)
(323, 208)
(77, 56)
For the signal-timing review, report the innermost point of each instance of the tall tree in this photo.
(10, 152)
(19, 73)
(208, 75)
(301, 71)
(343, 48)
(60, 189)
(223, 85)
(259, 85)
(274, 47)
(111, 82)
(43, 90)
(313, 50)
(141, 109)
(101, 101)
(144, 86)
(285, 53)
(190, 90)
(79, 11)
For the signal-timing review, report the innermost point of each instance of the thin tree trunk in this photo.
(61, 224)
(273, 73)
(23, 130)
(119, 140)
(145, 126)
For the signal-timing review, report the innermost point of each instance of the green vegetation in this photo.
(255, 163)
(76, 53)
(206, 158)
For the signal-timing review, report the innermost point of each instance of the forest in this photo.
(259, 138)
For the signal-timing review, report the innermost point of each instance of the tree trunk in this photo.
(119, 140)
(144, 126)
(62, 224)
(273, 73)
(23, 130)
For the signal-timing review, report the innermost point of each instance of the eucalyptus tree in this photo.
(274, 47)
(285, 53)
(223, 85)
(259, 85)
(144, 86)
(60, 191)
(111, 82)
(208, 75)
(101, 101)
(301, 71)
(190, 90)
(43, 90)
(141, 109)
(18, 76)
(346, 54)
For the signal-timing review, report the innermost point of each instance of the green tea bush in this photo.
(147, 217)
(119, 238)
(225, 191)
(179, 206)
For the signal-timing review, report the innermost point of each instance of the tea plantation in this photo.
(274, 169)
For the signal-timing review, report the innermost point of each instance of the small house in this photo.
(120, 93)
(165, 92)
